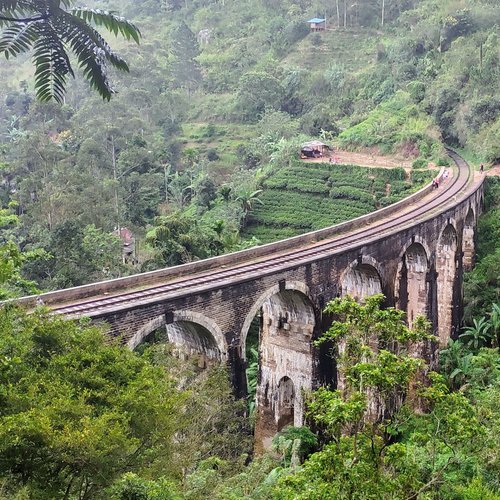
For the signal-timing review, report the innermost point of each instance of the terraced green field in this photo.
(305, 197)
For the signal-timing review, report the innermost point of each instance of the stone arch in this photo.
(415, 240)
(446, 253)
(285, 359)
(284, 410)
(146, 330)
(411, 282)
(208, 324)
(191, 332)
(257, 306)
(361, 280)
(468, 245)
(192, 339)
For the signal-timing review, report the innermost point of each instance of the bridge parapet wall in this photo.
(146, 279)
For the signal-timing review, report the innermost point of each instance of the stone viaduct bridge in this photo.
(413, 251)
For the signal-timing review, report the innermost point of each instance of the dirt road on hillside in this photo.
(366, 160)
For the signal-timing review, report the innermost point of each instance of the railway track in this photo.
(245, 271)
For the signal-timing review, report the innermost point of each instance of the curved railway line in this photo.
(439, 201)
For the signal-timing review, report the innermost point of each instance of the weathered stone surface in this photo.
(286, 363)
(418, 268)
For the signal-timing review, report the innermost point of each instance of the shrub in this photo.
(420, 163)
(315, 39)
(212, 155)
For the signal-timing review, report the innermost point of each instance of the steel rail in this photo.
(289, 259)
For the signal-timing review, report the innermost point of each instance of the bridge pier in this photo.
(286, 364)
(446, 266)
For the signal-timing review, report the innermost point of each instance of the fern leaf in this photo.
(113, 23)
(18, 39)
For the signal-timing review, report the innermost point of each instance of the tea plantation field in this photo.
(305, 197)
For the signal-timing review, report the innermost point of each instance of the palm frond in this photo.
(16, 6)
(113, 23)
(18, 39)
(49, 29)
(52, 64)
(13, 9)
(92, 53)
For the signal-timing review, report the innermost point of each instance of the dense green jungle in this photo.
(198, 154)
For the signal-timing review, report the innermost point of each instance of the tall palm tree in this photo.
(51, 28)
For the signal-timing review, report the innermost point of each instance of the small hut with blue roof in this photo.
(317, 24)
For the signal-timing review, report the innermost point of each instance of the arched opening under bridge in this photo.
(189, 339)
(286, 403)
(281, 335)
(361, 281)
(412, 286)
(446, 267)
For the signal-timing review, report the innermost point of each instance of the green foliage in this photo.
(477, 335)
(395, 125)
(75, 255)
(133, 487)
(439, 453)
(481, 285)
(184, 49)
(212, 425)
(256, 92)
(303, 197)
(295, 444)
(75, 411)
(252, 373)
(12, 282)
(49, 30)
(83, 417)
(176, 239)
(357, 327)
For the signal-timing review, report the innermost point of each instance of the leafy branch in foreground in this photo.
(48, 29)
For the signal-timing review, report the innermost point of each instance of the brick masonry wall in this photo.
(228, 309)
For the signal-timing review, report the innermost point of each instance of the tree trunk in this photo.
(167, 173)
(115, 178)
(338, 13)
(345, 14)
(383, 14)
